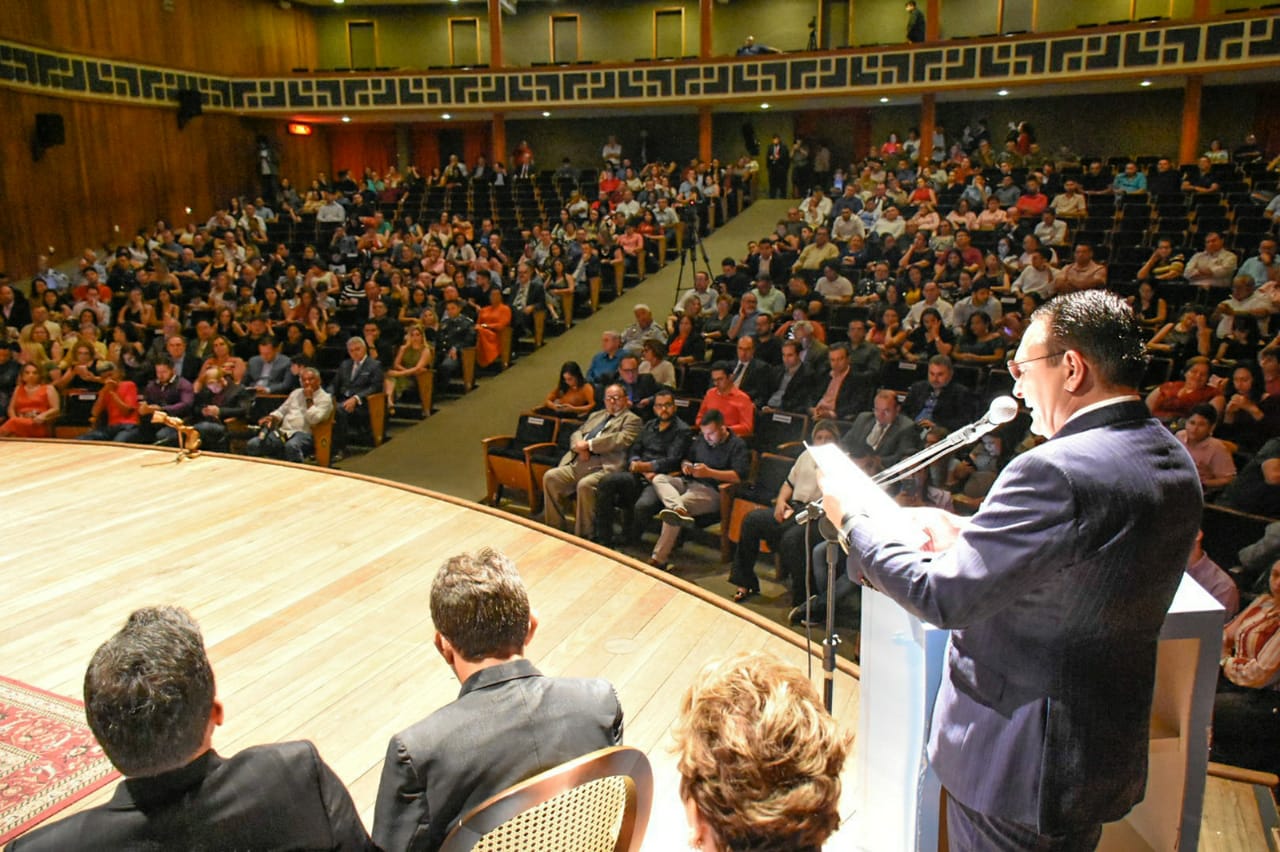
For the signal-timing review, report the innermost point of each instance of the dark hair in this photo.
(1103, 328)
(712, 416)
(1205, 410)
(479, 603)
(665, 392)
(148, 692)
(1259, 383)
(573, 369)
(722, 366)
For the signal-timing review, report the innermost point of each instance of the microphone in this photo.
(1001, 411)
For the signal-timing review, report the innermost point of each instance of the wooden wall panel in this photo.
(426, 147)
(124, 166)
(357, 147)
(215, 36)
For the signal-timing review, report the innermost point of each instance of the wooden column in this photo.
(928, 121)
(1188, 144)
(500, 140)
(932, 20)
(704, 134)
(705, 8)
(495, 35)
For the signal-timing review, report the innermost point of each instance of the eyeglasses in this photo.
(1015, 367)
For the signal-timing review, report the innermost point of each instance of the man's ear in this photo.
(445, 648)
(533, 627)
(218, 714)
(1079, 374)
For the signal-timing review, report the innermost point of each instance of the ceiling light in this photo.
(339, 2)
(446, 116)
(1003, 92)
(346, 119)
(884, 100)
(1145, 83)
(764, 106)
(546, 114)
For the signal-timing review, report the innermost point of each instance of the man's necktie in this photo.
(598, 429)
(737, 373)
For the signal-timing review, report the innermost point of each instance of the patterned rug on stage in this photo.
(48, 756)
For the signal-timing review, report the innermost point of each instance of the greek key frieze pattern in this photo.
(1141, 49)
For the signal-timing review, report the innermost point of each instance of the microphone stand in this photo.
(833, 548)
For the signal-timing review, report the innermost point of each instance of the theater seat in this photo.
(505, 462)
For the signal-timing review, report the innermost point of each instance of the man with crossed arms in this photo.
(598, 447)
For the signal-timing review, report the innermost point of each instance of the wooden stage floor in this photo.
(312, 591)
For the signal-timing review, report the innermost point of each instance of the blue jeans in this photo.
(296, 449)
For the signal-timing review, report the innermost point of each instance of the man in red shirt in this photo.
(116, 410)
(738, 409)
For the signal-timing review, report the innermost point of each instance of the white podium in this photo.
(897, 794)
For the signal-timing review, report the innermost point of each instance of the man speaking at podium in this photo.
(1055, 592)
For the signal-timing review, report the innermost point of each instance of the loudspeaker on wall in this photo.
(189, 106)
(49, 131)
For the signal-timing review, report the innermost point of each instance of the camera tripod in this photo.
(692, 247)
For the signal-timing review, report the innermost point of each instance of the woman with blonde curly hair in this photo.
(759, 758)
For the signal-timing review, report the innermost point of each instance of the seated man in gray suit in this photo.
(269, 371)
(1054, 592)
(508, 723)
(357, 378)
(598, 447)
(150, 701)
(889, 434)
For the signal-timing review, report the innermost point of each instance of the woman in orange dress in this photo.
(490, 322)
(32, 407)
(573, 396)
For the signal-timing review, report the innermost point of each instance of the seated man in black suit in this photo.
(508, 723)
(218, 399)
(150, 701)
(357, 377)
(793, 382)
(885, 433)
(938, 400)
(751, 375)
(846, 393)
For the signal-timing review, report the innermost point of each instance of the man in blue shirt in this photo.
(605, 362)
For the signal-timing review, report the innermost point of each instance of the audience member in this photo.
(597, 447)
(937, 400)
(1174, 400)
(716, 456)
(759, 758)
(777, 527)
(735, 407)
(286, 432)
(151, 702)
(659, 449)
(1244, 712)
(1213, 460)
(515, 721)
(32, 407)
